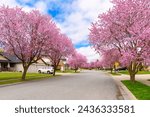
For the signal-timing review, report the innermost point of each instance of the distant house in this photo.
(12, 63)
(62, 64)
(147, 68)
(8, 62)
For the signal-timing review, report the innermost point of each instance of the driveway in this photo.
(87, 85)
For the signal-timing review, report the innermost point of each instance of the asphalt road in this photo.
(87, 85)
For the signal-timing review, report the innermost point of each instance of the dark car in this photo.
(121, 68)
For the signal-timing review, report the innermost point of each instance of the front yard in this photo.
(14, 77)
(139, 90)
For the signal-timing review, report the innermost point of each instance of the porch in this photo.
(6, 66)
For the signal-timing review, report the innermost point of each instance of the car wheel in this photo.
(39, 71)
(48, 72)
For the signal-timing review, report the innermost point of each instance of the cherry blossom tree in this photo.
(77, 61)
(58, 46)
(125, 27)
(24, 34)
(96, 64)
(109, 57)
(85, 66)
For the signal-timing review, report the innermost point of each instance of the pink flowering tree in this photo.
(96, 64)
(77, 61)
(125, 27)
(58, 46)
(91, 65)
(24, 34)
(109, 57)
(85, 66)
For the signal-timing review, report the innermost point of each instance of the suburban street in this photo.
(87, 85)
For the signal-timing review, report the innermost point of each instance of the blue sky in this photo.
(73, 17)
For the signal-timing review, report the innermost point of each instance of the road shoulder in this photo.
(125, 92)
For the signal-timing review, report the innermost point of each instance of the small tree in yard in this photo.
(76, 61)
(125, 27)
(58, 46)
(24, 34)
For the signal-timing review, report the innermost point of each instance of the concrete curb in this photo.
(125, 92)
(64, 74)
(11, 84)
(23, 82)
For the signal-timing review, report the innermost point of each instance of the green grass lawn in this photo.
(140, 72)
(139, 90)
(13, 77)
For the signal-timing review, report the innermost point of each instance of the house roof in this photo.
(13, 59)
(10, 58)
(4, 61)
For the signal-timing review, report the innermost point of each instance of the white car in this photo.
(48, 70)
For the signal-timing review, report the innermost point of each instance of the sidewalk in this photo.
(59, 73)
(124, 90)
(141, 78)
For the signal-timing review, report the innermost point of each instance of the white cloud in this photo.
(89, 53)
(83, 12)
(27, 8)
(11, 3)
(41, 6)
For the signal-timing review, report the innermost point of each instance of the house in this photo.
(12, 63)
(147, 68)
(8, 62)
(62, 64)
(33, 68)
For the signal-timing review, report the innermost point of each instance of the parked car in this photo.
(121, 68)
(48, 70)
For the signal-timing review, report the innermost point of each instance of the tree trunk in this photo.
(115, 70)
(111, 70)
(140, 67)
(132, 77)
(55, 67)
(133, 69)
(76, 70)
(25, 69)
(54, 71)
(56, 63)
